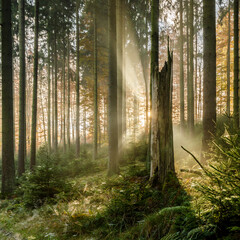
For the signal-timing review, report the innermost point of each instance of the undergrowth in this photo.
(67, 198)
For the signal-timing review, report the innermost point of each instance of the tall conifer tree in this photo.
(209, 71)
(22, 90)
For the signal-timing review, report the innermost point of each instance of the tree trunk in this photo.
(162, 159)
(135, 118)
(196, 66)
(162, 131)
(119, 71)
(105, 119)
(209, 72)
(135, 122)
(69, 92)
(236, 64)
(113, 167)
(154, 69)
(124, 92)
(84, 125)
(191, 72)
(73, 119)
(99, 136)
(53, 105)
(77, 85)
(200, 95)
(188, 65)
(146, 72)
(8, 168)
(35, 85)
(228, 59)
(22, 91)
(42, 108)
(64, 98)
(55, 88)
(95, 141)
(181, 69)
(49, 97)
(61, 108)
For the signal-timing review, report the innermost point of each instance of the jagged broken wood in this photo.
(162, 155)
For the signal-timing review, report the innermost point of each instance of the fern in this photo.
(173, 210)
(202, 232)
(171, 236)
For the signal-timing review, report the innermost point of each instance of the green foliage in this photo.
(42, 184)
(72, 167)
(169, 223)
(126, 206)
(79, 166)
(136, 151)
(134, 211)
(130, 204)
(220, 186)
(222, 122)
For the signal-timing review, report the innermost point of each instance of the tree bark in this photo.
(119, 71)
(191, 71)
(209, 72)
(236, 64)
(69, 96)
(124, 91)
(154, 69)
(49, 96)
(55, 87)
(84, 125)
(42, 108)
(77, 85)
(200, 95)
(196, 66)
(8, 168)
(64, 97)
(113, 165)
(162, 159)
(35, 86)
(162, 131)
(53, 104)
(228, 59)
(146, 72)
(187, 56)
(22, 91)
(182, 117)
(95, 141)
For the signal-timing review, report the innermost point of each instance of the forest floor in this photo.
(99, 207)
(90, 205)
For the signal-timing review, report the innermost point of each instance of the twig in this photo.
(195, 159)
(191, 171)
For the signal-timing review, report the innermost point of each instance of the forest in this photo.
(120, 119)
